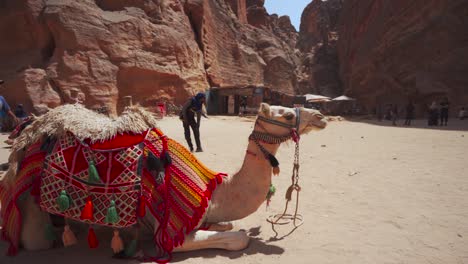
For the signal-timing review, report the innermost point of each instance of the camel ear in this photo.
(265, 110)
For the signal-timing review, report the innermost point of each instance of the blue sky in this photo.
(292, 8)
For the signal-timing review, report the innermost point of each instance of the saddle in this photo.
(68, 170)
(113, 183)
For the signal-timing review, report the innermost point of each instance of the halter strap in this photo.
(282, 124)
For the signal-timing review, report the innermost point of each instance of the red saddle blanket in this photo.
(176, 190)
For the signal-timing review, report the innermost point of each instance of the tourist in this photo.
(462, 113)
(194, 106)
(409, 113)
(444, 111)
(433, 114)
(243, 105)
(394, 114)
(5, 110)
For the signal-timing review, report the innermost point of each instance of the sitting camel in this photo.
(63, 164)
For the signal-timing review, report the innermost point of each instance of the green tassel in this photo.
(131, 248)
(50, 233)
(93, 173)
(112, 216)
(63, 201)
(271, 192)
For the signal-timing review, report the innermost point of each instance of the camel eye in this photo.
(289, 116)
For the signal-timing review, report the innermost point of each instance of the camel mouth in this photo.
(320, 124)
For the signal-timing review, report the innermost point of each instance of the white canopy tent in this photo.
(315, 98)
(343, 98)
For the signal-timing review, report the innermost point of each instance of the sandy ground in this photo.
(370, 194)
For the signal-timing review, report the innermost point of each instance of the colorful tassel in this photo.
(93, 173)
(63, 201)
(153, 163)
(116, 243)
(112, 216)
(167, 159)
(141, 211)
(273, 161)
(87, 213)
(92, 239)
(131, 248)
(276, 170)
(295, 136)
(271, 192)
(50, 233)
(68, 237)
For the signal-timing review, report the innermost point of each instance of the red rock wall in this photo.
(318, 37)
(152, 50)
(392, 50)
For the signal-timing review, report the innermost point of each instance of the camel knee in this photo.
(237, 241)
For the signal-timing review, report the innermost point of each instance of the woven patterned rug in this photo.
(176, 190)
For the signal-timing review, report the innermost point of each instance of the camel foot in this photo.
(202, 239)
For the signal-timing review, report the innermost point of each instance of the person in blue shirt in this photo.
(5, 109)
(194, 106)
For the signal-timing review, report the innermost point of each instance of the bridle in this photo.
(257, 137)
(269, 138)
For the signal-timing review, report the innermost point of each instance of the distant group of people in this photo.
(438, 111)
(392, 113)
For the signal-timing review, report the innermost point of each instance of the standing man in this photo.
(243, 105)
(444, 110)
(5, 110)
(194, 106)
(409, 113)
(394, 114)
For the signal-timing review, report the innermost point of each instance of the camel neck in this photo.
(244, 192)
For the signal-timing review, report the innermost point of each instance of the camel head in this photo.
(309, 119)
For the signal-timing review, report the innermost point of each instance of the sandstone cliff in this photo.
(391, 51)
(318, 37)
(150, 49)
(380, 51)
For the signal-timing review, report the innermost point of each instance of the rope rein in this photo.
(285, 217)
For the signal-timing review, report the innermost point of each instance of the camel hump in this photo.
(86, 124)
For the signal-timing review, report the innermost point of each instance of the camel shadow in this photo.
(256, 246)
(80, 253)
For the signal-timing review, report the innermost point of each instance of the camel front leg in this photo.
(34, 225)
(202, 239)
(227, 226)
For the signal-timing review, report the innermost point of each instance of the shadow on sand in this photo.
(453, 124)
(256, 246)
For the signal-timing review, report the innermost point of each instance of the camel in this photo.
(239, 195)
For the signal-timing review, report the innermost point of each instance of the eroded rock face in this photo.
(153, 50)
(237, 54)
(318, 70)
(392, 51)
